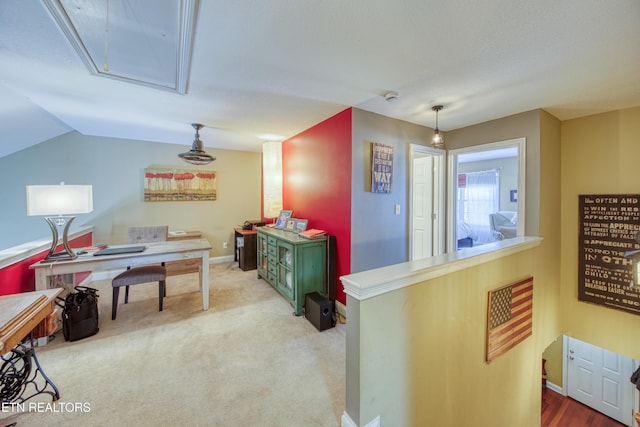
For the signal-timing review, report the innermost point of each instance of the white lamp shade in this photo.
(59, 199)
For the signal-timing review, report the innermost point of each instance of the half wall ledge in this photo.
(371, 283)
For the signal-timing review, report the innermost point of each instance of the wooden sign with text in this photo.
(608, 227)
(381, 168)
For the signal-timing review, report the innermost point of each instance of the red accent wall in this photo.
(316, 166)
(17, 278)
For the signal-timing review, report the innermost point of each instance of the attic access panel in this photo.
(146, 42)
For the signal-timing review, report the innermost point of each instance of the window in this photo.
(486, 193)
(478, 197)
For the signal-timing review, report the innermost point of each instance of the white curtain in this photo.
(478, 196)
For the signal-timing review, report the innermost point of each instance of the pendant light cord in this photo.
(106, 41)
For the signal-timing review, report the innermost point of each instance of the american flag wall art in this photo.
(509, 317)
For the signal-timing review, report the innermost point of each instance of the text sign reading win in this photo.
(609, 251)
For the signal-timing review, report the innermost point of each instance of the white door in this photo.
(422, 207)
(600, 379)
(426, 205)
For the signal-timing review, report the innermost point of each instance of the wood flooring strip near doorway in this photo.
(561, 411)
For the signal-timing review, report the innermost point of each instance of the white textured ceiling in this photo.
(280, 66)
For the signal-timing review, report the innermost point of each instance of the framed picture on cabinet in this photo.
(284, 215)
(299, 224)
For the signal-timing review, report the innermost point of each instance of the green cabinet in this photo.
(293, 265)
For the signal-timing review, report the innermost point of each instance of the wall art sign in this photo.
(163, 185)
(509, 317)
(381, 168)
(609, 251)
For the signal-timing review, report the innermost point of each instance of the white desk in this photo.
(155, 253)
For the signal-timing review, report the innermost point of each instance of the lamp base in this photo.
(67, 253)
(59, 256)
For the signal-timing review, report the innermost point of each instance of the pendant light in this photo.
(437, 141)
(197, 155)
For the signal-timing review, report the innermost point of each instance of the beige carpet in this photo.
(247, 361)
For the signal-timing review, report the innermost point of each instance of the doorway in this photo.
(426, 207)
(599, 379)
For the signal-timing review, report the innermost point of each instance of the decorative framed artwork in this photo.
(291, 225)
(284, 215)
(509, 317)
(299, 224)
(381, 168)
(166, 185)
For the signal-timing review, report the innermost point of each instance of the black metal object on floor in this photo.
(20, 376)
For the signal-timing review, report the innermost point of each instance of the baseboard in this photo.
(342, 312)
(347, 421)
(374, 422)
(553, 387)
(221, 259)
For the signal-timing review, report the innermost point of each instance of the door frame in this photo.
(439, 183)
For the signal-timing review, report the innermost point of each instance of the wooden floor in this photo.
(561, 411)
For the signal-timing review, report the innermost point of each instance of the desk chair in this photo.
(145, 274)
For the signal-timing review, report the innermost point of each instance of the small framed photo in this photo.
(282, 218)
(291, 225)
(300, 224)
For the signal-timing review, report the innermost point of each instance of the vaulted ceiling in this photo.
(280, 66)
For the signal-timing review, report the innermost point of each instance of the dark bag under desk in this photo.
(79, 313)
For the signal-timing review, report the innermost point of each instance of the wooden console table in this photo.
(19, 315)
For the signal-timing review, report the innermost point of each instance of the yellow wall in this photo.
(600, 155)
(543, 171)
(553, 355)
(422, 355)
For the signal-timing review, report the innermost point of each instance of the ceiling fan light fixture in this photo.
(438, 140)
(197, 155)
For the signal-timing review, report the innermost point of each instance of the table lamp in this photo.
(58, 203)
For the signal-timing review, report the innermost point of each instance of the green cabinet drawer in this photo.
(272, 268)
